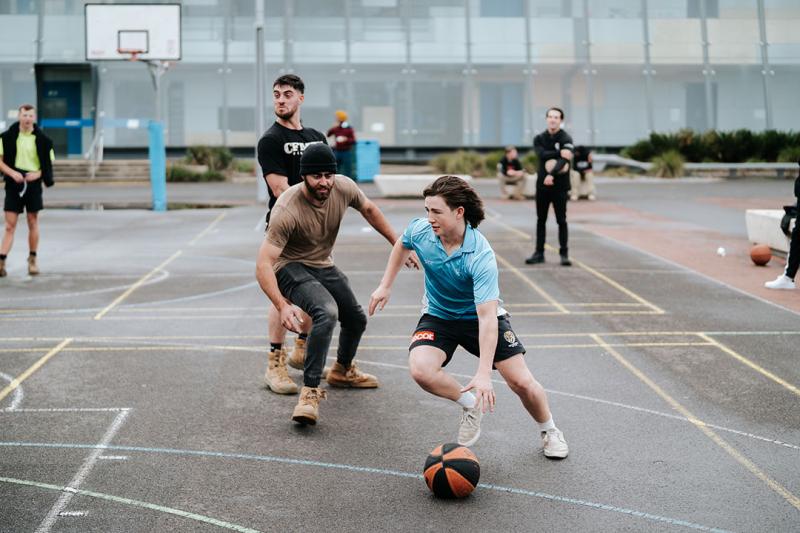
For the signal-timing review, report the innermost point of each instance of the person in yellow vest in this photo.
(26, 160)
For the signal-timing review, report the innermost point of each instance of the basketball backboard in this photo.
(144, 31)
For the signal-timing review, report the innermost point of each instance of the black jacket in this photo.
(549, 147)
(43, 147)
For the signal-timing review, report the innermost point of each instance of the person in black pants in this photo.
(786, 280)
(556, 151)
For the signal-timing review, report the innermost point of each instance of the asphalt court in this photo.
(132, 398)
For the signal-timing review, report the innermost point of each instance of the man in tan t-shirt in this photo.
(296, 271)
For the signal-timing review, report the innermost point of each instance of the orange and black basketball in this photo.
(452, 471)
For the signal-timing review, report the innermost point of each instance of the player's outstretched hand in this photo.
(412, 262)
(291, 318)
(484, 391)
(379, 299)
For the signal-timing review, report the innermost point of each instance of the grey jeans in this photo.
(325, 295)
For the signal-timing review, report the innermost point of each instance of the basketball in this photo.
(452, 471)
(760, 254)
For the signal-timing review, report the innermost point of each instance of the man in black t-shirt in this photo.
(279, 152)
(555, 151)
(510, 173)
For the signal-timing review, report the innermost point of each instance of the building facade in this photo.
(422, 73)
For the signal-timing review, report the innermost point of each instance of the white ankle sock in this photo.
(467, 400)
(548, 425)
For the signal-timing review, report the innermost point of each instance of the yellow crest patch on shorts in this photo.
(509, 336)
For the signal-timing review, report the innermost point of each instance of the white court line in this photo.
(68, 410)
(76, 481)
(18, 394)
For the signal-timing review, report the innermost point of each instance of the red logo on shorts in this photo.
(423, 336)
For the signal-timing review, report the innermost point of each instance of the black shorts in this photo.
(31, 201)
(449, 334)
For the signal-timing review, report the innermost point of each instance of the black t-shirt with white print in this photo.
(279, 152)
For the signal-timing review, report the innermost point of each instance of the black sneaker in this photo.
(537, 257)
(565, 261)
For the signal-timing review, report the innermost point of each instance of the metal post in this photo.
(224, 71)
(408, 72)
(648, 69)
(39, 30)
(766, 71)
(707, 72)
(589, 71)
(529, 72)
(349, 90)
(469, 71)
(261, 186)
(157, 69)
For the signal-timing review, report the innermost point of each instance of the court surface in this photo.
(132, 394)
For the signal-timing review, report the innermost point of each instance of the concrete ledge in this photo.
(764, 227)
(406, 185)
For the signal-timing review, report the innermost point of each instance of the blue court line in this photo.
(128, 501)
(370, 470)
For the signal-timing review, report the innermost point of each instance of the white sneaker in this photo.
(470, 426)
(781, 282)
(555, 447)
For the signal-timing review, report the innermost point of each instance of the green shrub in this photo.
(245, 166)
(530, 162)
(492, 159)
(214, 157)
(668, 165)
(640, 151)
(180, 174)
(460, 162)
(790, 154)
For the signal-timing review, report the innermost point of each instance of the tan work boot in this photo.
(350, 377)
(3, 272)
(33, 269)
(298, 357)
(306, 411)
(277, 377)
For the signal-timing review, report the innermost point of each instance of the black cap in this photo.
(317, 158)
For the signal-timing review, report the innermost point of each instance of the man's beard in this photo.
(288, 115)
(315, 194)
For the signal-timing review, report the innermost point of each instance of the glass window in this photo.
(506, 8)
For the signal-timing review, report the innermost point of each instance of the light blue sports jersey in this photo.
(454, 284)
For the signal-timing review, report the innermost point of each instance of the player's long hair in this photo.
(457, 193)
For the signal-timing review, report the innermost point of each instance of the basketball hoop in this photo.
(132, 52)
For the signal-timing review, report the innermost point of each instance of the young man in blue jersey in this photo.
(462, 307)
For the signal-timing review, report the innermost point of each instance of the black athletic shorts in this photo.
(448, 334)
(31, 201)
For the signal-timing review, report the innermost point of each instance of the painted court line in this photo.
(541, 292)
(349, 468)
(702, 426)
(609, 281)
(18, 394)
(208, 228)
(16, 382)
(133, 503)
(136, 285)
(77, 480)
(751, 364)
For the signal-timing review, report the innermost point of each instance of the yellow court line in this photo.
(582, 265)
(106, 338)
(702, 426)
(625, 290)
(563, 310)
(208, 228)
(135, 286)
(245, 347)
(16, 382)
(750, 363)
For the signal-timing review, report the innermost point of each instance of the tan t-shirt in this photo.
(306, 232)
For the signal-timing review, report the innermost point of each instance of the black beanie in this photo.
(317, 158)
